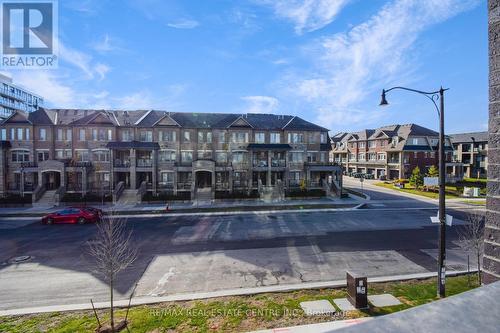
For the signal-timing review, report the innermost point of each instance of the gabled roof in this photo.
(469, 137)
(17, 117)
(240, 122)
(150, 118)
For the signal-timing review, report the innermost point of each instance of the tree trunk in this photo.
(111, 312)
(479, 267)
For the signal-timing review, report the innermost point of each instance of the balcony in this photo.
(165, 186)
(393, 161)
(278, 163)
(260, 164)
(144, 163)
(184, 186)
(122, 164)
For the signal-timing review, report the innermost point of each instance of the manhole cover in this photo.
(19, 259)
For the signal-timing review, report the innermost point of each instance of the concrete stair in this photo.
(128, 197)
(203, 196)
(47, 200)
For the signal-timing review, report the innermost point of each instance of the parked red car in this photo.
(74, 215)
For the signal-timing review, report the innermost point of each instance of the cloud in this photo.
(348, 67)
(106, 45)
(306, 15)
(183, 24)
(261, 104)
(48, 85)
(83, 61)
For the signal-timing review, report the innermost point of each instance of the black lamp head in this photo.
(383, 102)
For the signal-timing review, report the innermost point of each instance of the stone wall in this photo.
(491, 261)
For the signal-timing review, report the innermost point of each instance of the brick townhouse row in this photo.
(85, 151)
(392, 152)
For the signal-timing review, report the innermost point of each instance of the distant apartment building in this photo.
(82, 151)
(14, 98)
(471, 149)
(391, 152)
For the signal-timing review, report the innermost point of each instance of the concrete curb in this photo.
(146, 213)
(220, 293)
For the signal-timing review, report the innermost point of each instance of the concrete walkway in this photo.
(222, 293)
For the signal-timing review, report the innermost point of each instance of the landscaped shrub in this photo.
(166, 196)
(89, 197)
(305, 193)
(237, 195)
(15, 199)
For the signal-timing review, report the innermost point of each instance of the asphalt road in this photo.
(392, 235)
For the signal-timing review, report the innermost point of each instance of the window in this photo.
(42, 156)
(415, 154)
(62, 154)
(240, 137)
(434, 142)
(204, 154)
(28, 134)
(222, 137)
(296, 157)
(322, 157)
(19, 134)
(146, 136)
(383, 143)
(167, 177)
(352, 157)
(362, 144)
(414, 141)
(81, 134)
(361, 156)
(4, 134)
(59, 134)
(323, 137)
(221, 157)
(381, 156)
(312, 137)
(20, 156)
(167, 156)
(127, 135)
(102, 134)
(204, 137)
(69, 135)
(94, 134)
(110, 135)
(167, 136)
(42, 134)
(12, 133)
(312, 157)
(187, 156)
(394, 140)
(238, 157)
(100, 155)
(295, 137)
(372, 156)
(82, 155)
(372, 144)
(260, 137)
(275, 138)
(186, 136)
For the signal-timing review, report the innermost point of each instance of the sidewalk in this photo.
(194, 207)
(143, 300)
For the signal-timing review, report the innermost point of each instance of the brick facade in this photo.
(491, 259)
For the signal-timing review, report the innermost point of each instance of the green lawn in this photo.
(475, 202)
(234, 314)
(451, 191)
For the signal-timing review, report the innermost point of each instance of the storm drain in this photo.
(20, 259)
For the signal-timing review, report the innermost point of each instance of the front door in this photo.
(52, 180)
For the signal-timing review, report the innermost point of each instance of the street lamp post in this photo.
(435, 96)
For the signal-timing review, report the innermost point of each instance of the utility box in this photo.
(357, 290)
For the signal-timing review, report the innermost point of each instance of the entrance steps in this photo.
(128, 197)
(203, 196)
(48, 199)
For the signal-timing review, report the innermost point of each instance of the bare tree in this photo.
(113, 251)
(472, 237)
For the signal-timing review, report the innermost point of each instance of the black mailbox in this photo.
(357, 290)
